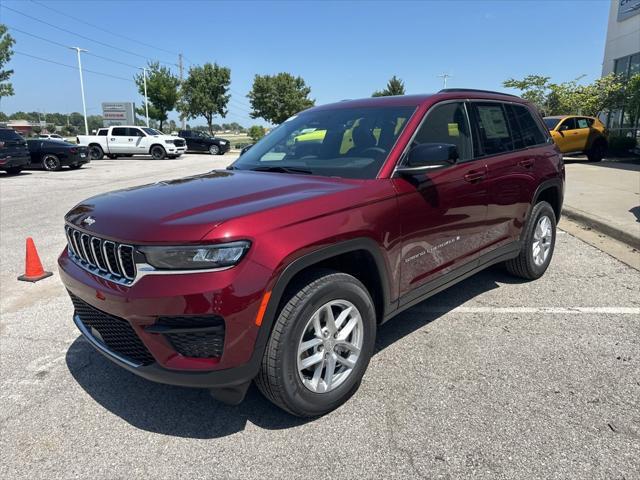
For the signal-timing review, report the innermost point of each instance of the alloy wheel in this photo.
(330, 346)
(542, 237)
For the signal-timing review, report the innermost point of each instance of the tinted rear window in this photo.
(551, 123)
(493, 129)
(526, 130)
(6, 134)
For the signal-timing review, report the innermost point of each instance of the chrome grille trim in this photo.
(123, 269)
(93, 253)
(108, 246)
(93, 242)
(120, 275)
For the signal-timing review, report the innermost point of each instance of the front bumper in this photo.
(173, 150)
(225, 148)
(14, 161)
(233, 294)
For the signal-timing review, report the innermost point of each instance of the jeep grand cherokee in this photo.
(280, 268)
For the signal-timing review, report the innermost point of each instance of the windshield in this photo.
(551, 123)
(342, 142)
(151, 131)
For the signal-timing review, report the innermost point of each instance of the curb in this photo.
(602, 227)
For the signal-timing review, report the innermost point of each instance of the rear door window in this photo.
(525, 129)
(494, 136)
(10, 135)
(102, 132)
(583, 123)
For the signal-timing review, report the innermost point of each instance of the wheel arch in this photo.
(359, 257)
(156, 145)
(550, 191)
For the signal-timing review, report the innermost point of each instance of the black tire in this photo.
(96, 152)
(112, 156)
(14, 170)
(157, 152)
(279, 379)
(75, 167)
(51, 162)
(597, 151)
(214, 149)
(524, 265)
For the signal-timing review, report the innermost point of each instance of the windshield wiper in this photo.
(281, 169)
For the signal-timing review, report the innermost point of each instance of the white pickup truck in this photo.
(124, 141)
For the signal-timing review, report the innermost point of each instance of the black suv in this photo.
(14, 154)
(201, 142)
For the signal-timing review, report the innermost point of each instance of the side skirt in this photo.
(506, 252)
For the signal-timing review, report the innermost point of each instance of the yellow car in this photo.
(580, 135)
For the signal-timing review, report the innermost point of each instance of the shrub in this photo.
(622, 144)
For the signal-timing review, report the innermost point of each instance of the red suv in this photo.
(280, 268)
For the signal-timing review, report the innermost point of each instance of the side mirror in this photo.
(429, 156)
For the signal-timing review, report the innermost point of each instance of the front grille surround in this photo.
(108, 259)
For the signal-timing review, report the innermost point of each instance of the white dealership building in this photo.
(622, 54)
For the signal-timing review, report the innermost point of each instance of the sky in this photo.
(342, 49)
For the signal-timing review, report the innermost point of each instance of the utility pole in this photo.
(444, 77)
(146, 100)
(84, 105)
(181, 75)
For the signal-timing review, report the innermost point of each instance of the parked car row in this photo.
(125, 141)
(16, 153)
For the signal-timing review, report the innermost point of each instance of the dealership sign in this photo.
(628, 8)
(118, 113)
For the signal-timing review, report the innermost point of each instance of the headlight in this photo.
(170, 141)
(222, 142)
(195, 257)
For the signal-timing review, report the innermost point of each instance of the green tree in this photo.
(534, 88)
(162, 90)
(395, 86)
(6, 42)
(605, 94)
(256, 132)
(205, 93)
(632, 97)
(277, 97)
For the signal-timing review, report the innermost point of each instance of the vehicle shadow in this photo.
(193, 413)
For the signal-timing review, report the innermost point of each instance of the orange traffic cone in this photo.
(33, 267)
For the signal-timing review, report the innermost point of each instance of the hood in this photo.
(186, 209)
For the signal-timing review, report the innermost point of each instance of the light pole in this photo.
(84, 105)
(146, 100)
(444, 77)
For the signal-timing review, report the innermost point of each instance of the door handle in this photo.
(112, 139)
(474, 176)
(526, 163)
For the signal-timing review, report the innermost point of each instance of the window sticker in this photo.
(454, 131)
(582, 123)
(493, 121)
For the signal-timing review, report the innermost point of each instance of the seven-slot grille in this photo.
(108, 259)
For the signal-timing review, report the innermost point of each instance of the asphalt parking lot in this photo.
(494, 378)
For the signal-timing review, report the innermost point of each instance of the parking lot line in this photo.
(547, 310)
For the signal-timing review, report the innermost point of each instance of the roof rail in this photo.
(453, 90)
